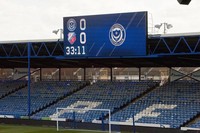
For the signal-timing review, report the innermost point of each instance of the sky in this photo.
(36, 19)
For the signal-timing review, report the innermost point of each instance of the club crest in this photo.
(117, 34)
(71, 24)
(72, 37)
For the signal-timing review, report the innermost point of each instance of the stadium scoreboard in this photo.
(105, 36)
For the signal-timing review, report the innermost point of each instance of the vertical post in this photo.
(57, 119)
(111, 74)
(165, 27)
(59, 74)
(29, 79)
(109, 121)
(133, 124)
(139, 74)
(170, 70)
(61, 32)
(74, 120)
(102, 122)
(40, 74)
(84, 74)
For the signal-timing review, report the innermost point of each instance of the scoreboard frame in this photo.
(122, 35)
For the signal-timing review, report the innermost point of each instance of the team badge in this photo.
(71, 24)
(71, 37)
(117, 34)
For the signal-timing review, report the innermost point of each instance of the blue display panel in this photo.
(106, 36)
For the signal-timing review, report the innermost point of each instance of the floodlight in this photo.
(169, 26)
(165, 25)
(158, 26)
(56, 32)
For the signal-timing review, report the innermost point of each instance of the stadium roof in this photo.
(149, 36)
(31, 41)
(170, 50)
(174, 35)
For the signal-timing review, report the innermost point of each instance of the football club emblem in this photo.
(117, 34)
(71, 37)
(71, 24)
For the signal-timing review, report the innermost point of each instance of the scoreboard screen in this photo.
(106, 36)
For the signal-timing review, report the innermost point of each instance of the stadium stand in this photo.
(7, 87)
(101, 95)
(42, 94)
(196, 124)
(172, 104)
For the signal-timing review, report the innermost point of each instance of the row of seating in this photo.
(172, 104)
(10, 85)
(42, 94)
(196, 124)
(100, 95)
(181, 95)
